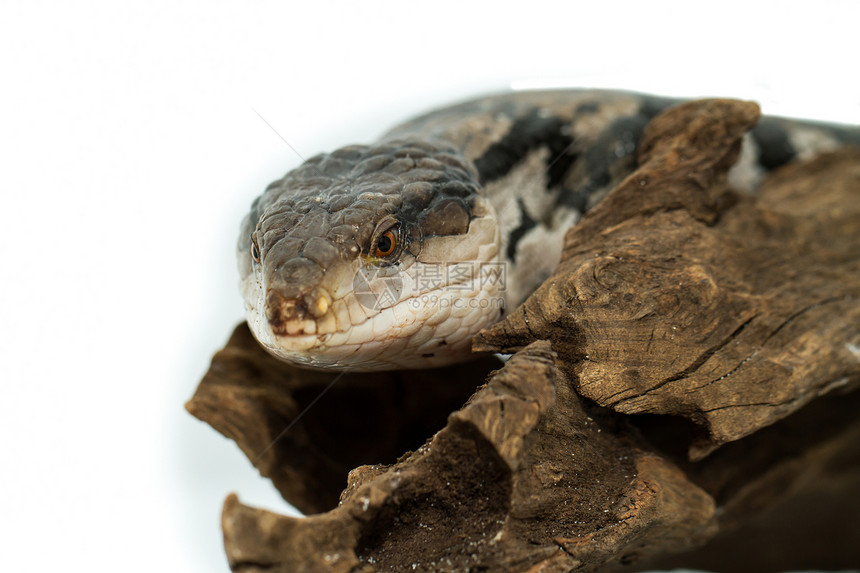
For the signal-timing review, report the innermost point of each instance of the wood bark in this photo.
(688, 377)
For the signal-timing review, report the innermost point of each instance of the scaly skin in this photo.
(473, 202)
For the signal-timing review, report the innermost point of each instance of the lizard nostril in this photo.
(280, 309)
(296, 315)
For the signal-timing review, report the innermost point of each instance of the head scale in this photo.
(335, 258)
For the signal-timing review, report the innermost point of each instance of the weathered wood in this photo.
(676, 296)
(522, 475)
(693, 362)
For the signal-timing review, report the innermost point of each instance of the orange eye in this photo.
(385, 244)
(255, 250)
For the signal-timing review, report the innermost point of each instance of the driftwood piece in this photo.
(522, 475)
(689, 371)
(787, 495)
(676, 296)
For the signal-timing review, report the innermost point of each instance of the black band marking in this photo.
(650, 105)
(617, 143)
(525, 135)
(775, 148)
(587, 108)
(526, 225)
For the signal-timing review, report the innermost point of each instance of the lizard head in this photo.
(372, 257)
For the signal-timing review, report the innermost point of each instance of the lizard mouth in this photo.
(421, 328)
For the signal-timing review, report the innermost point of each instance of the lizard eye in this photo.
(386, 241)
(385, 244)
(255, 250)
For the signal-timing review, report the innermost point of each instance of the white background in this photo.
(130, 149)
